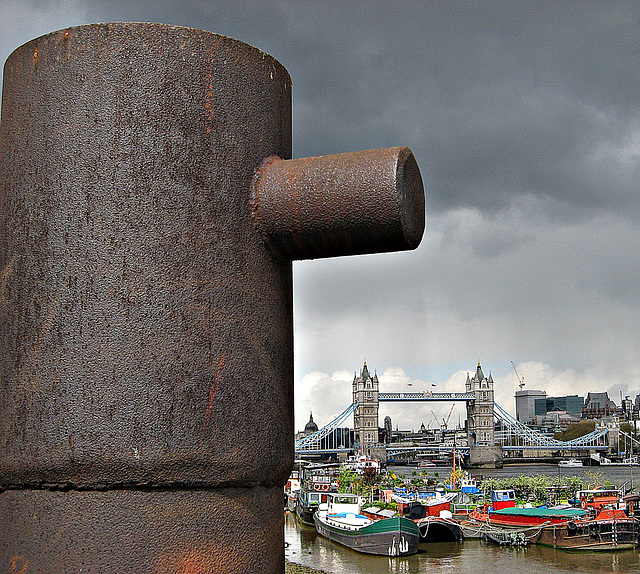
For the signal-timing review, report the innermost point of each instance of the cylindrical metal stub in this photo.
(145, 330)
(343, 204)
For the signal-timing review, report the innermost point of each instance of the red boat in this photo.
(503, 512)
(566, 528)
(610, 530)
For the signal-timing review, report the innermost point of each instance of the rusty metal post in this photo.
(147, 230)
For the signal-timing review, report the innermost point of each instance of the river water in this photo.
(306, 547)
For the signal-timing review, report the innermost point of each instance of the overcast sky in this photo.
(524, 118)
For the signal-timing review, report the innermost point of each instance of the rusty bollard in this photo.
(150, 215)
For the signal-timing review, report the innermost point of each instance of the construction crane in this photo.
(520, 379)
(446, 422)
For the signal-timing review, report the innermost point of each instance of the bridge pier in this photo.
(485, 456)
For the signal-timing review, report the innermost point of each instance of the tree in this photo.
(576, 431)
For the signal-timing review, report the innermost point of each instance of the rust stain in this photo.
(193, 563)
(18, 562)
(214, 389)
(65, 39)
(198, 561)
(4, 276)
(209, 96)
(208, 101)
(50, 317)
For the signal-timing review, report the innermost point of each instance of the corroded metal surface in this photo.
(142, 315)
(229, 531)
(342, 204)
(146, 374)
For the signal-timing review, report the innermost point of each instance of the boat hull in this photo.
(527, 517)
(305, 513)
(436, 529)
(386, 537)
(592, 535)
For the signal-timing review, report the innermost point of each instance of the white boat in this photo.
(362, 464)
(571, 463)
(631, 461)
(339, 520)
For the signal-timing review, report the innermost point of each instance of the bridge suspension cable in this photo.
(516, 434)
(312, 441)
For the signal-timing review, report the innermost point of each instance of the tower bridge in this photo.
(425, 396)
(485, 445)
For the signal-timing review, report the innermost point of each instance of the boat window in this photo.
(345, 499)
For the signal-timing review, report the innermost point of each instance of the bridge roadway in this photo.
(426, 396)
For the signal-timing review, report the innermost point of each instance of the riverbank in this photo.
(293, 568)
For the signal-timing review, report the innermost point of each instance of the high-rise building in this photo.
(526, 405)
(573, 404)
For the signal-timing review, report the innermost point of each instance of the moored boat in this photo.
(610, 530)
(599, 498)
(291, 490)
(504, 513)
(316, 482)
(469, 485)
(339, 520)
(307, 502)
(517, 517)
(362, 464)
(571, 463)
(432, 515)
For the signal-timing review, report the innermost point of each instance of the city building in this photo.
(557, 420)
(309, 428)
(627, 408)
(388, 429)
(572, 404)
(599, 405)
(526, 405)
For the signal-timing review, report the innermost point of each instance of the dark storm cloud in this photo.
(496, 99)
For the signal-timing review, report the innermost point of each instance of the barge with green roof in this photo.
(339, 520)
(603, 528)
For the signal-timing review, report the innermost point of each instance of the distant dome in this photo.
(310, 426)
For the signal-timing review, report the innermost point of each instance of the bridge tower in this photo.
(483, 452)
(480, 411)
(365, 417)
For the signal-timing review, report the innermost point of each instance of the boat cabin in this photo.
(469, 485)
(632, 503)
(362, 465)
(338, 502)
(503, 499)
(293, 484)
(598, 498)
(310, 498)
